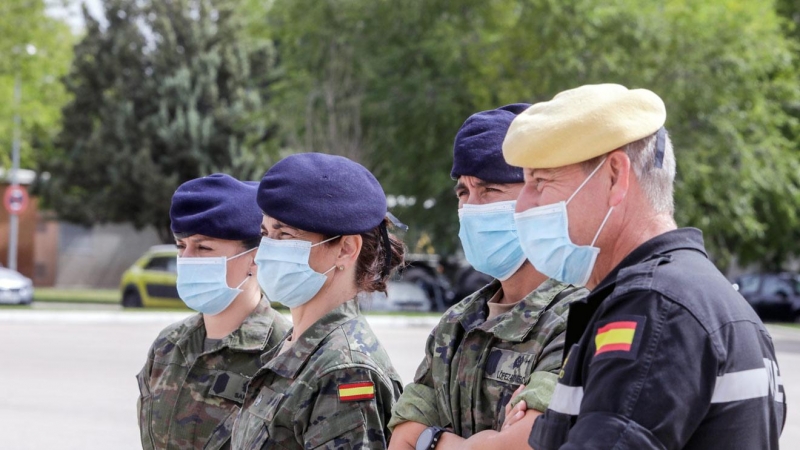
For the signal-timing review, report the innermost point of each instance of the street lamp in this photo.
(13, 220)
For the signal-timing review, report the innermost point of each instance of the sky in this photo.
(70, 11)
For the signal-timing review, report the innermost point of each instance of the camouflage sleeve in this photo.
(418, 402)
(539, 390)
(351, 409)
(552, 332)
(144, 402)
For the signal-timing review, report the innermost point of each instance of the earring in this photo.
(340, 267)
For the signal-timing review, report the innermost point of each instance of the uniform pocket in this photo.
(343, 431)
(504, 371)
(251, 430)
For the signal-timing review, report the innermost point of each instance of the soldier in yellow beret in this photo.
(663, 353)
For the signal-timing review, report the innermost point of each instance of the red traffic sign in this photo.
(15, 199)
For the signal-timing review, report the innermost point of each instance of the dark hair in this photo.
(251, 243)
(371, 273)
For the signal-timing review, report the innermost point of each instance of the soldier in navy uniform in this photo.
(663, 353)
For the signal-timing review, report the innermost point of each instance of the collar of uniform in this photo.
(682, 238)
(471, 312)
(515, 325)
(512, 326)
(254, 332)
(251, 335)
(289, 363)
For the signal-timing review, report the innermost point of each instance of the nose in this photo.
(528, 198)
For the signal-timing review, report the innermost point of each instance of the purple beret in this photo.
(478, 149)
(217, 206)
(324, 194)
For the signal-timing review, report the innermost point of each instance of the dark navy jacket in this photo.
(665, 354)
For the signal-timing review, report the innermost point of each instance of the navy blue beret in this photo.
(478, 149)
(324, 194)
(217, 206)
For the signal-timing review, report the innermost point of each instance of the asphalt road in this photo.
(67, 379)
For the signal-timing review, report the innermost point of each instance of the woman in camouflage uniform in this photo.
(330, 384)
(197, 370)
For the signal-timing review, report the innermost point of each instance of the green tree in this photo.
(416, 69)
(37, 49)
(166, 92)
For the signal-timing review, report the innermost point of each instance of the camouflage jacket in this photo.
(333, 388)
(189, 397)
(472, 366)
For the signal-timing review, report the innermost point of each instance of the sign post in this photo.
(13, 198)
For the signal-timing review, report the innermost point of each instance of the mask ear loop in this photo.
(322, 242)
(608, 214)
(586, 180)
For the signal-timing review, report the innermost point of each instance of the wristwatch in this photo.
(429, 438)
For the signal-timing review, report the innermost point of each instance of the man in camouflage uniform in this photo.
(190, 394)
(333, 388)
(506, 337)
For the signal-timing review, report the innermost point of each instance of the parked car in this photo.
(15, 288)
(424, 270)
(774, 296)
(151, 280)
(400, 296)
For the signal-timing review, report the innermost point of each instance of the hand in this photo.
(515, 414)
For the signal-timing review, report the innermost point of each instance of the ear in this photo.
(349, 250)
(253, 266)
(620, 166)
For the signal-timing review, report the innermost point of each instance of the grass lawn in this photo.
(787, 324)
(107, 296)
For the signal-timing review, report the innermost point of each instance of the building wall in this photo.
(96, 257)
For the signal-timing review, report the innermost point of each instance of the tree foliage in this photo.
(166, 92)
(35, 48)
(175, 89)
(416, 69)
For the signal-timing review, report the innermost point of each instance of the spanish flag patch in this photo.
(619, 338)
(356, 391)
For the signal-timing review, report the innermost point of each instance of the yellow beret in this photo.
(580, 124)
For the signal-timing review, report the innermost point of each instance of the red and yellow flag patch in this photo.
(356, 391)
(615, 337)
(619, 337)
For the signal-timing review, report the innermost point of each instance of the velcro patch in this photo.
(509, 366)
(619, 338)
(352, 392)
(231, 386)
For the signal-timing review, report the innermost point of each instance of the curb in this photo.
(123, 317)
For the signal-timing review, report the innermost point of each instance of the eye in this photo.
(204, 248)
(461, 193)
(285, 235)
(180, 246)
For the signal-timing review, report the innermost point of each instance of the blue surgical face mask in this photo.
(489, 237)
(203, 283)
(544, 236)
(283, 271)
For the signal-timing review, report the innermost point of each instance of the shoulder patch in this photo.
(619, 338)
(352, 392)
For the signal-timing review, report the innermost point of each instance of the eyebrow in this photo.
(278, 225)
(479, 183)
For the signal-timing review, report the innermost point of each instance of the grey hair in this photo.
(656, 182)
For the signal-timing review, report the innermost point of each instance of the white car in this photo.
(15, 288)
(400, 296)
